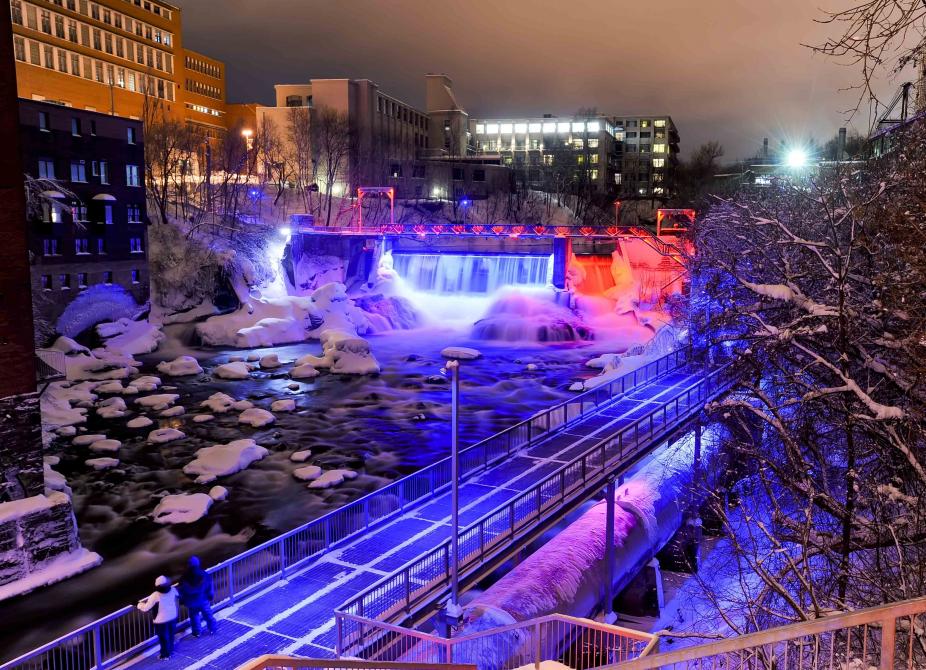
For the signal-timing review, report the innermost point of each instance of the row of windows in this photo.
(77, 127)
(536, 144)
(79, 214)
(203, 89)
(78, 171)
(645, 148)
(50, 246)
(64, 279)
(205, 68)
(418, 172)
(68, 62)
(395, 110)
(152, 7)
(642, 123)
(545, 128)
(117, 19)
(91, 37)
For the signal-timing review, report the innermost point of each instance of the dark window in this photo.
(81, 245)
(79, 171)
(135, 275)
(44, 123)
(75, 126)
(93, 126)
(100, 245)
(135, 245)
(395, 170)
(81, 280)
(108, 214)
(49, 247)
(46, 168)
(418, 171)
(64, 279)
(134, 213)
(107, 276)
(479, 175)
(46, 282)
(458, 174)
(294, 101)
(130, 134)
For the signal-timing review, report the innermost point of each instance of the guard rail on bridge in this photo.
(425, 579)
(274, 662)
(570, 641)
(481, 230)
(889, 637)
(125, 632)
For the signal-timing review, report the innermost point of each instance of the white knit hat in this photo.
(161, 581)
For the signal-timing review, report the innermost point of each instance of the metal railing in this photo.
(888, 637)
(571, 641)
(125, 632)
(422, 580)
(272, 662)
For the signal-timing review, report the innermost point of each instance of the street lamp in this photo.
(796, 158)
(453, 611)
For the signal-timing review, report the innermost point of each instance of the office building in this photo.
(649, 157)
(93, 230)
(107, 55)
(551, 153)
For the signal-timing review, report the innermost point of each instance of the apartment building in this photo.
(550, 153)
(93, 230)
(649, 157)
(107, 55)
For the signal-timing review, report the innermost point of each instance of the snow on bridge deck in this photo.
(295, 616)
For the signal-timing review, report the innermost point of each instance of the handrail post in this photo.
(888, 627)
(283, 563)
(97, 649)
(339, 645)
(537, 658)
(231, 582)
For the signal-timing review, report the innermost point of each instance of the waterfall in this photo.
(472, 273)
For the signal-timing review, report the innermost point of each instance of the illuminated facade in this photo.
(553, 153)
(650, 155)
(104, 56)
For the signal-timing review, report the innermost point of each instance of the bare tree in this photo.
(170, 146)
(331, 143)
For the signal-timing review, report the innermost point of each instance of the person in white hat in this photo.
(164, 602)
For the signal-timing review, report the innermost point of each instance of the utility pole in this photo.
(609, 553)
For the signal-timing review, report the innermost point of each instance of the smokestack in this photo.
(841, 145)
(765, 148)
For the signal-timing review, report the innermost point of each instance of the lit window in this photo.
(506, 128)
(660, 123)
(659, 162)
(549, 127)
(644, 123)
(492, 129)
(562, 127)
(593, 175)
(619, 136)
(617, 177)
(520, 128)
(578, 127)
(480, 129)
(535, 128)
(594, 126)
(659, 148)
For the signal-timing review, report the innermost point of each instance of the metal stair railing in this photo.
(125, 632)
(888, 637)
(571, 641)
(275, 662)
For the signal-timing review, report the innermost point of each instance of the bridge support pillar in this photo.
(644, 595)
(562, 250)
(609, 554)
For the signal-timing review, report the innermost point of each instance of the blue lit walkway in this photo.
(295, 616)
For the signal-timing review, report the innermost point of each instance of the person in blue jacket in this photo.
(196, 594)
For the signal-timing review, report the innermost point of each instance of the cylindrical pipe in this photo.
(455, 487)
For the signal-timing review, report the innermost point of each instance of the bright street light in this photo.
(796, 159)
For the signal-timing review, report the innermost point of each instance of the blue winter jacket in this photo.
(196, 587)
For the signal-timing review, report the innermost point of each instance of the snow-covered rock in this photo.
(460, 353)
(165, 435)
(139, 422)
(603, 361)
(158, 401)
(202, 418)
(111, 408)
(221, 460)
(300, 456)
(103, 463)
(114, 386)
(256, 417)
(106, 446)
(182, 508)
(307, 473)
(87, 439)
(176, 410)
(304, 371)
(181, 366)
(270, 362)
(218, 403)
(343, 353)
(331, 478)
(218, 493)
(146, 384)
(130, 337)
(68, 346)
(236, 370)
(242, 405)
(283, 405)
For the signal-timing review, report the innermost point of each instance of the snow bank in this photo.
(182, 508)
(221, 460)
(52, 572)
(130, 337)
(165, 435)
(68, 346)
(59, 405)
(256, 417)
(235, 370)
(181, 366)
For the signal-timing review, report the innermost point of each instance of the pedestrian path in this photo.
(295, 616)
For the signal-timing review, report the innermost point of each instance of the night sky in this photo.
(730, 70)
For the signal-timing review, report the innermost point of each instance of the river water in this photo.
(383, 427)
